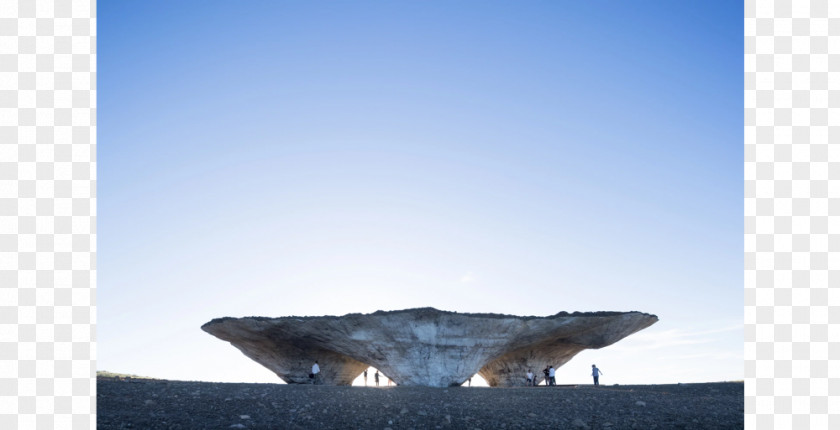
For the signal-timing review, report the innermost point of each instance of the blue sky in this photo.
(308, 158)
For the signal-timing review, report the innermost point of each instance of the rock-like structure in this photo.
(423, 347)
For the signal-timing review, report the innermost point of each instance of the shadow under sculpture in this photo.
(425, 346)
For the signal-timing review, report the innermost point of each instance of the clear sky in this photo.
(269, 158)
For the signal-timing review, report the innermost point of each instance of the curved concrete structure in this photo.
(563, 343)
(423, 347)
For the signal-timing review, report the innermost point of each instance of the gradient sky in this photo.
(268, 158)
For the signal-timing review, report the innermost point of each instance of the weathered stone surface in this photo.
(423, 347)
(284, 352)
(510, 369)
(559, 343)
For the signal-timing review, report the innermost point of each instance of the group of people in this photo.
(375, 378)
(549, 372)
(531, 379)
(315, 375)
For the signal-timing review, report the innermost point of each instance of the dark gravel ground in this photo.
(158, 404)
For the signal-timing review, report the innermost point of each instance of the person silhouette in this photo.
(595, 373)
(530, 379)
(365, 377)
(376, 378)
(551, 376)
(316, 377)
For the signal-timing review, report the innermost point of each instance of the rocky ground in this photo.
(157, 404)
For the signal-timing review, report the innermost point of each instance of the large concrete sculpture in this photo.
(423, 347)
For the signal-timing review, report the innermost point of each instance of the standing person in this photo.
(551, 376)
(595, 373)
(365, 377)
(530, 379)
(545, 372)
(316, 378)
(376, 378)
(469, 381)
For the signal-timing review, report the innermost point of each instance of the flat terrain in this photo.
(158, 404)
